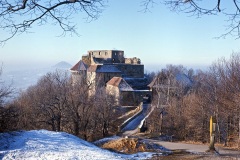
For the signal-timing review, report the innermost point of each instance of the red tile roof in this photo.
(80, 66)
(120, 83)
(115, 81)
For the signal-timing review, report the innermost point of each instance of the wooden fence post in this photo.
(212, 133)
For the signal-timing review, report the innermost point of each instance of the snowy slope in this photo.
(48, 145)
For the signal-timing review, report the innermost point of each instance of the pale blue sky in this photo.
(158, 38)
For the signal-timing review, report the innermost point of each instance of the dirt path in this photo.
(196, 151)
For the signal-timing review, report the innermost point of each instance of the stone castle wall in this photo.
(114, 92)
(131, 68)
(116, 56)
(131, 71)
(133, 60)
(86, 60)
(133, 98)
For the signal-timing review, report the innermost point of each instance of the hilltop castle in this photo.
(122, 77)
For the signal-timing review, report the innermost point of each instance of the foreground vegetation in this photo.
(56, 104)
(183, 109)
(183, 105)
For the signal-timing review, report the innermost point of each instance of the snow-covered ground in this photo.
(48, 145)
(132, 127)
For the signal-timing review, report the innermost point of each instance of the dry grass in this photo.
(125, 145)
(133, 145)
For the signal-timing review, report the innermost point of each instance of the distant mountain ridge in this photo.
(62, 64)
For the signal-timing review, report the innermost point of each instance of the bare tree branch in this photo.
(17, 17)
(199, 8)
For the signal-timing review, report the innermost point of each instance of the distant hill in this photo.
(62, 64)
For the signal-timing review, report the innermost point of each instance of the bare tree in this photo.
(228, 73)
(7, 113)
(161, 93)
(215, 93)
(9, 118)
(44, 105)
(53, 89)
(169, 89)
(20, 15)
(55, 103)
(81, 109)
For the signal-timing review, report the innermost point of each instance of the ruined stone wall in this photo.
(91, 81)
(133, 60)
(131, 71)
(86, 60)
(78, 76)
(100, 53)
(116, 56)
(75, 77)
(108, 76)
(103, 78)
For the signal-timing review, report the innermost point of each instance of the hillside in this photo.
(43, 144)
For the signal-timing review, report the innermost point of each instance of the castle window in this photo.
(99, 53)
(105, 53)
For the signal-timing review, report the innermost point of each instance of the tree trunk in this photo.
(239, 131)
(53, 125)
(76, 128)
(58, 121)
(161, 122)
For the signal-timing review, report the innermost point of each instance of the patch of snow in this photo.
(44, 144)
(141, 123)
(48, 145)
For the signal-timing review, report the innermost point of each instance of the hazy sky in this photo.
(158, 37)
